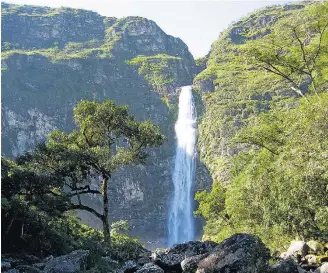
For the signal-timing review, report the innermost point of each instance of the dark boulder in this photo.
(129, 267)
(170, 259)
(150, 268)
(241, 253)
(189, 265)
(285, 266)
(70, 263)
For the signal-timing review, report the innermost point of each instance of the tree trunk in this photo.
(105, 218)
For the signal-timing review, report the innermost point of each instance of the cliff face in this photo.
(53, 58)
(232, 92)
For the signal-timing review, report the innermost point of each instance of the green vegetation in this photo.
(75, 51)
(264, 146)
(106, 139)
(278, 190)
(155, 69)
(36, 209)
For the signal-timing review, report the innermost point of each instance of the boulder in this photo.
(284, 266)
(70, 263)
(143, 260)
(296, 250)
(171, 258)
(189, 264)
(241, 253)
(322, 269)
(311, 259)
(315, 247)
(129, 267)
(150, 268)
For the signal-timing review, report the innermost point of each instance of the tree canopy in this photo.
(107, 137)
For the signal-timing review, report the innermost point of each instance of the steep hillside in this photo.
(258, 138)
(233, 90)
(53, 58)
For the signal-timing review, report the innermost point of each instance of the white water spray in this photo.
(181, 221)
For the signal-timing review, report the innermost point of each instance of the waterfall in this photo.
(181, 220)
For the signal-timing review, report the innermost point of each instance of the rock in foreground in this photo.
(70, 263)
(241, 253)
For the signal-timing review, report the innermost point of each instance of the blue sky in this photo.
(197, 23)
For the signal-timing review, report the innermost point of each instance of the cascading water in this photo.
(181, 221)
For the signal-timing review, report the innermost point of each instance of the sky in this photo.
(197, 23)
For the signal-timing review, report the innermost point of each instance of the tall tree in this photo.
(106, 138)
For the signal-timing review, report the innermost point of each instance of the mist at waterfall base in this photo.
(181, 221)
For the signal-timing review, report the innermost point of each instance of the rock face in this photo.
(53, 58)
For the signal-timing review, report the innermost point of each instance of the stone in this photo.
(70, 263)
(189, 265)
(311, 259)
(171, 258)
(129, 267)
(241, 253)
(143, 260)
(150, 268)
(284, 266)
(315, 247)
(322, 269)
(296, 250)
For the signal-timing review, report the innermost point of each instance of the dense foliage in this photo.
(278, 189)
(265, 147)
(155, 69)
(40, 188)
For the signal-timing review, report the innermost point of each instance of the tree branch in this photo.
(86, 208)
